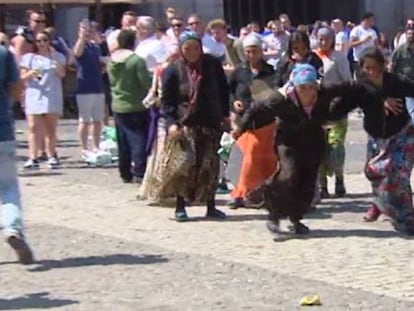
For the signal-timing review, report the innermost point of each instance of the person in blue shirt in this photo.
(10, 90)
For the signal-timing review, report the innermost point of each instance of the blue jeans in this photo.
(132, 135)
(9, 190)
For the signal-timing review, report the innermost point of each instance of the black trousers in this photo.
(291, 192)
(132, 136)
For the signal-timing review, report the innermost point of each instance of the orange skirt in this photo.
(259, 159)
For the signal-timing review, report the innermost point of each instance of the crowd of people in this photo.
(282, 93)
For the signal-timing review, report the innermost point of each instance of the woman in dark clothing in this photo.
(299, 52)
(256, 146)
(195, 101)
(300, 140)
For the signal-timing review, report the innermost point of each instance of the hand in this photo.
(367, 38)
(393, 105)
(235, 133)
(83, 31)
(297, 57)
(34, 73)
(174, 131)
(238, 106)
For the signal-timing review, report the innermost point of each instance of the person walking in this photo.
(13, 228)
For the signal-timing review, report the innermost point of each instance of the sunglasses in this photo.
(39, 21)
(177, 25)
(42, 40)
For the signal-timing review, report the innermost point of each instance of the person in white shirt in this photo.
(128, 21)
(276, 43)
(363, 36)
(152, 50)
(341, 38)
(177, 28)
(214, 41)
(195, 23)
(401, 37)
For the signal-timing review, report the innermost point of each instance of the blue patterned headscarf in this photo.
(304, 74)
(189, 35)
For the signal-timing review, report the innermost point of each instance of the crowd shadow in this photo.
(345, 233)
(107, 260)
(34, 301)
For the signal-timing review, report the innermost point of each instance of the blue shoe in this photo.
(181, 216)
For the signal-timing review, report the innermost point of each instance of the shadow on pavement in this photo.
(117, 259)
(365, 233)
(34, 301)
(39, 173)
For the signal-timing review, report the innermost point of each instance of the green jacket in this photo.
(130, 81)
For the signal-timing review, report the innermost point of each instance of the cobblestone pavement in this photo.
(98, 248)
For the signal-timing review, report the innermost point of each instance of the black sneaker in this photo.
(31, 165)
(23, 252)
(324, 193)
(215, 213)
(299, 228)
(340, 190)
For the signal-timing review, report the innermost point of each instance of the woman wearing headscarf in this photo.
(195, 103)
(336, 70)
(259, 160)
(299, 52)
(300, 140)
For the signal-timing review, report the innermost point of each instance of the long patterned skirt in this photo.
(189, 166)
(147, 191)
(389, 166)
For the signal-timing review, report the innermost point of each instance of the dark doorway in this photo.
(240, 12)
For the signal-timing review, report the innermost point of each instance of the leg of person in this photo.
(124, 151)
(136, 131)
(98, 115)
(180, 212)
(303, 198)
(207, 142)
(336, 140)
(35, 127)
(51, 122)
(278, 196)
(11, 206)
(373, 212)
(85, 107)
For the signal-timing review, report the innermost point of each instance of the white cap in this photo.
(253, 39)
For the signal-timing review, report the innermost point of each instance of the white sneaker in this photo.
(31, 165)
(53, 162)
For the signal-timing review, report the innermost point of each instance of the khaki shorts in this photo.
(91, 107)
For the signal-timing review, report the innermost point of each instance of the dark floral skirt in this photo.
(190, 165)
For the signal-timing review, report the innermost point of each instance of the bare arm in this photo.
(80, 43)
(19, 43)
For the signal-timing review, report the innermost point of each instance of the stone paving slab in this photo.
(347, 253)
(353, 265)
(77, 270)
